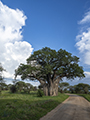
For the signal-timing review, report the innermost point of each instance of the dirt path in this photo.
(74, 108)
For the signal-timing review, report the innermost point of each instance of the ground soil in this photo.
(73, 108)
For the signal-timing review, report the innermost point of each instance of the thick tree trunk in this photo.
(54, 89)
(51, 89)
(45, 89)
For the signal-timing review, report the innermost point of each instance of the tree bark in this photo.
(45, 89)
(51, 89)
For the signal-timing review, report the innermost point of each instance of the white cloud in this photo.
(87, 74)
(13, 50)
(83, 45)
(83, 39)
(86, 18)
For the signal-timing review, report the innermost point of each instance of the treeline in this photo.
(80, 88)
(19, 86)
(63, 87)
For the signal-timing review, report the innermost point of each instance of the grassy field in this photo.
(27, 106)
(86, 96)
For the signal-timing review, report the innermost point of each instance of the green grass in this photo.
(27, 106)
(86, 96)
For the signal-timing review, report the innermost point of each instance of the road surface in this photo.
(73, 108)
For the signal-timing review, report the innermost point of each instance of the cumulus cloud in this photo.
(13, 50)
(83, 44)
(83, 39)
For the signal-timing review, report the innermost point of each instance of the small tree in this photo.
(83, 88)
(63, 86)
(86, 91)
(28, 87)
(34, 88)
(1, 70)
(40, 93)
(9, 86)
(20, 85)
(1, 77)
(72, 89)
(13, 89)
(3, 86)
(77, 89)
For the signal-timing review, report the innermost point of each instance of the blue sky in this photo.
(40, 23)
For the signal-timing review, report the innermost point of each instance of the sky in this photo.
(30, 25)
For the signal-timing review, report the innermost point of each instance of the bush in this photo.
(40, 93)
(0, 90)
(13, 89)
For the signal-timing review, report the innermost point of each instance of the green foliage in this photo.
(40, 93)
(2, 82)
(83, 87)
(80, 88)
(34, 88)
(47, 62)
(1, 70)
(63, 86)
(29, 87)
(20, 85)
(86, 91)
(13, 89)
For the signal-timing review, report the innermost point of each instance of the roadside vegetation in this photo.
(86, 96)
(80, 89)
(27, 106)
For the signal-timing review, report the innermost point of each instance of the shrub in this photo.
(40, 93)
(0, 90)
(13, 89)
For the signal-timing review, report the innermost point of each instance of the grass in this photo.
(27, 106)
(86, 96)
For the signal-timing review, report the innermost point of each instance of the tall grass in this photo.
(27, 106)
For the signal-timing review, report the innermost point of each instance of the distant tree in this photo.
(49, 67)
(28, 87)
(82, 87)
(1, 70)
(89, 88)
(86, 90)
(34, 88)
(20, 85)
(3, 86)
(1, 77)
(13, 89)
(72, 89)
(77, 89)
(62, 86)
(9, 86)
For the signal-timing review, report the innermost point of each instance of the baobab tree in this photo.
(49, 67)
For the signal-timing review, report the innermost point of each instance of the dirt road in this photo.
(74, 108)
